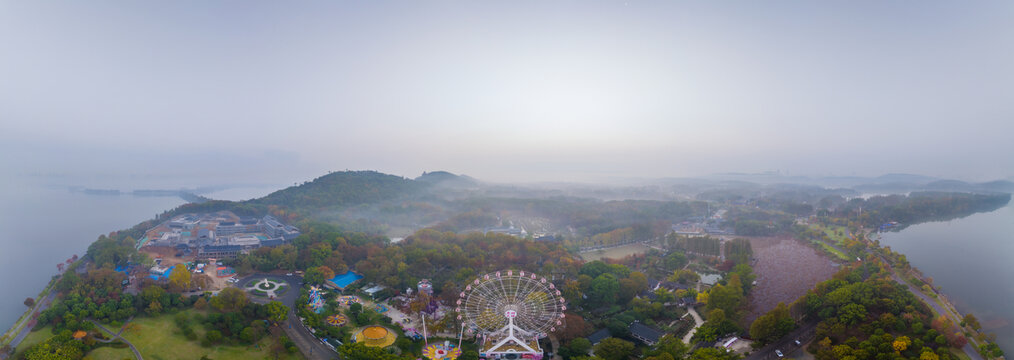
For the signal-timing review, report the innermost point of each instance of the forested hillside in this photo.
(342, 188)
(924, 206)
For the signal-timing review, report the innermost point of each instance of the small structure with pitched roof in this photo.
(598, 336)
(644, 333)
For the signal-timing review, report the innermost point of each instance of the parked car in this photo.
(779, 353)
(797, 342)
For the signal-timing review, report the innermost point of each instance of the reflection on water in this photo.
(969, 259)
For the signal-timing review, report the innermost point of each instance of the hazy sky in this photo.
(506, 90)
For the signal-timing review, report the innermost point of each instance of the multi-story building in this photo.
(274, 228)
(220, 251)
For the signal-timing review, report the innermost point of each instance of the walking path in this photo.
(556, 347)
(115, 336)
(23, 329)
(697, 323)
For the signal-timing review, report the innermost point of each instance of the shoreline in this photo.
(937, 299)
(17, 332)
(43, 300)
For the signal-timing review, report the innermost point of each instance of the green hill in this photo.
(345, 188)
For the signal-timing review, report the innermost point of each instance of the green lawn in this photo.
(111, 353)
(832, 233)
(959, 354)
(159, 339)
(834, 251)
(35, 337)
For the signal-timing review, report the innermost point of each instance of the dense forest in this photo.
(923, 206)
(444, 257)
(342, 189)
(864, 314)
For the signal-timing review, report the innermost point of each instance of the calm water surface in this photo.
(970, 259)
(41, 226)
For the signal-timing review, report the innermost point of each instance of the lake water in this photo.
(969, 259)
(42, 226)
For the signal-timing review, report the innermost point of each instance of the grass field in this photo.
(35, 337)
(618, 252)
(832, 233)
(958, 354)
(159, 339)
(830, 249)
(111, 353)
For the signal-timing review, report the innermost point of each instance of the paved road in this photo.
(308, 344)
(786, 344)
(137, 354)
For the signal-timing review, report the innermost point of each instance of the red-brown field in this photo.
(786, 269)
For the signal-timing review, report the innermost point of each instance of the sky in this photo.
(187, 93)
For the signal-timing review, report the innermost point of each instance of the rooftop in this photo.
(598, 336)
(645, 333)
(710, 279)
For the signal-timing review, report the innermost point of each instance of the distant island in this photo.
(664, 269)
(186, 195)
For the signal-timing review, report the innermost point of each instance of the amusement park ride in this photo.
(508, 312)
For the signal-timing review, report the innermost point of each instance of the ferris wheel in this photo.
(525, 300)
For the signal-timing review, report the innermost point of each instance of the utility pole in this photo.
(425, 337)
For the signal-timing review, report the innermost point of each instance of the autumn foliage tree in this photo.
(574, 327)
(901, 343)
(318, 275)
(180, 278)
